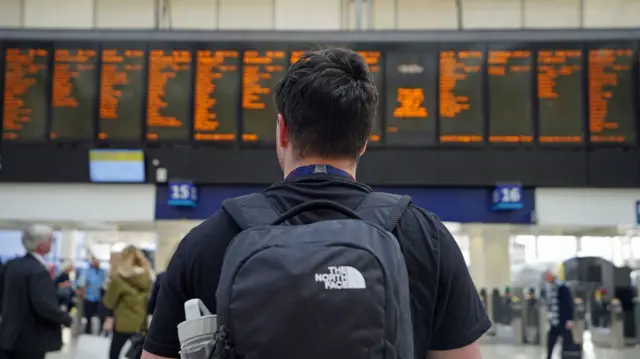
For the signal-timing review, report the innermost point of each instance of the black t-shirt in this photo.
(446, 310)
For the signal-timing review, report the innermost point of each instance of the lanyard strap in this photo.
(317, 169)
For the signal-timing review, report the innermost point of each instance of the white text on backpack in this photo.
(343, 277)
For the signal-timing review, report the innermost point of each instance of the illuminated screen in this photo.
(560, 87)
(24, 111)
(461, 104)
(216, 92)
(262, 71)
(121, 94)
(510, 95)
(74, 93)
(169, 95)
(611, 101)
(116, 166)
(374, 61)
(411, 99)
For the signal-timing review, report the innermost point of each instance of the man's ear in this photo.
(283, 132)
(364, 149)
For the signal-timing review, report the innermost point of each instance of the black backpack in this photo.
(330, 289)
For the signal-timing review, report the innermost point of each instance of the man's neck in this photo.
(345, 165)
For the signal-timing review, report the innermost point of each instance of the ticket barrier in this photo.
(511, 333)
(531, 321)
(636, 316)
(613, 336)
(579, 320)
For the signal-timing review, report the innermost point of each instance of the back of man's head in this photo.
(328, 101)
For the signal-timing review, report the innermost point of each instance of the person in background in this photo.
(126, 298)
(32, 320)
(91, 288)
(65, 286)
(560, 303)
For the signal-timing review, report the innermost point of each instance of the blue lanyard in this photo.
(317, 169)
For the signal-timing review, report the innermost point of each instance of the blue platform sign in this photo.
(507, 197)
(638, 212)
(182, 194)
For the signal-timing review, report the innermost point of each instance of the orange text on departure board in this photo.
(68, 64)
(605, 65)
(22, 65)
(114, 79)
(372, 59)
(455, 66)
(211, 67)
(553, 64)
(295, 56)
(501, 63)
(258, 66)
(163, 66)
(410, 103)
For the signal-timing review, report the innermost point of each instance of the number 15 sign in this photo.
(507, 197)
(182, 194)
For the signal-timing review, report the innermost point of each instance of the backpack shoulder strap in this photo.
(251, 210)
(384, 209)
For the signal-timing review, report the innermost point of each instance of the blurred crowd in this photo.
(120, 295)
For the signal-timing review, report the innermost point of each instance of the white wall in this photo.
(586, 207)
(77, 202)
(321, 14)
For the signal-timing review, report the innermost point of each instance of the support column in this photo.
(490, 259)
(67, 245)
(170, 233)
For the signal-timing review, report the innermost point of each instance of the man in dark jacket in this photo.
(32, 321)
(560, 312)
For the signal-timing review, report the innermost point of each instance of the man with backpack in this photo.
(318, 265)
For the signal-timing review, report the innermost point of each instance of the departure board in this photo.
(461, 102)
(611, 95)
(374, 60)
(74, 93)
(560, 87)
(261, 72)
(24, 111)
(510, 95)
(169, 95)
(410, 99)
(122, 90)
(216, 92)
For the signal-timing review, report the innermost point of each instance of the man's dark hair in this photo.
(328, 101)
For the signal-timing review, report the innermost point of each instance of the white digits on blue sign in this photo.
(511, 195)
(180, 191)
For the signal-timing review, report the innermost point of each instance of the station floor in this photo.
(489, 351)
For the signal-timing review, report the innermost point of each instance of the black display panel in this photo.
(461, 107)
(560, 89)
(122, 91)
(169, 94)
(217, 87)
(510, 74)
(410, 98)
(24, 103)
(612, 110)
(74, 92)
(261, 72)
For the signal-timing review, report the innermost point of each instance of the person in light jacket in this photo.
(126, 297)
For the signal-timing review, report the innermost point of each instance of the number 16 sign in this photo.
(507, 197)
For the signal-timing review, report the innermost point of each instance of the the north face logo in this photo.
(344, 277)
